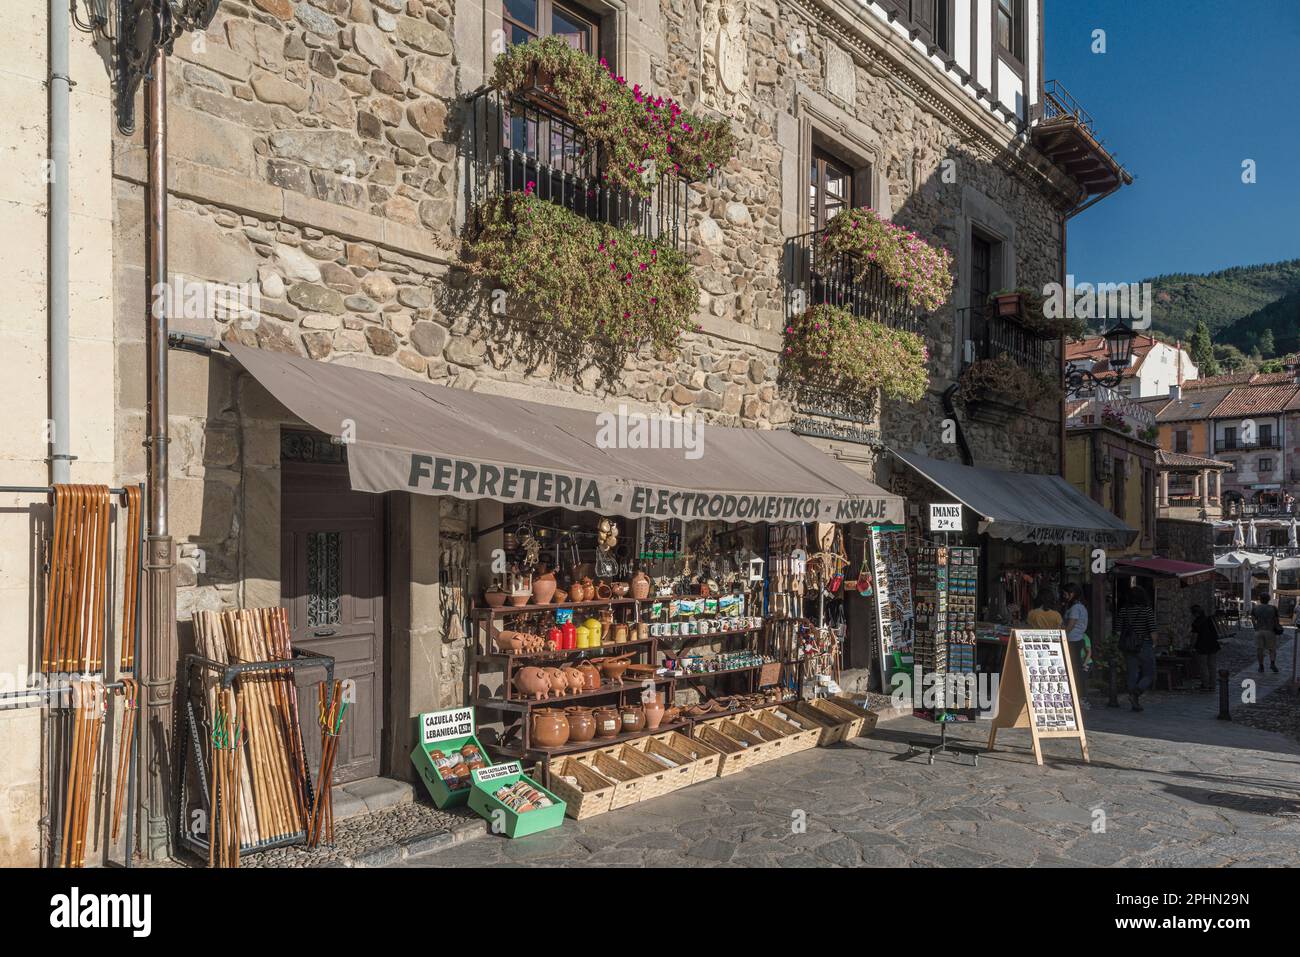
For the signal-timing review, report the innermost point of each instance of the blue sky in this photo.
(1186, 91)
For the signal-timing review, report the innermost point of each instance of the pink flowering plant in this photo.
(830, 345)
(592, 280)
(639, 133)
(923, 271)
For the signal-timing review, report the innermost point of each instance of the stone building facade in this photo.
(318, 162)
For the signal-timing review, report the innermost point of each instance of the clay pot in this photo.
(654, 713)
(548, 727)
(620, 633)
(640, 585)
(613, 668)
(495, 597)
(604, 592)
(574, 677)
(544, 589)
(588, 590)
(590, 676)
(560, 596)
(582, 724)
(520, 598)
(607, 722)
(559, 683)
(619, 589)
(631, 718)
(533, 682)
(671, 715)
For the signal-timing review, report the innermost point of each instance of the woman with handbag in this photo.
(1136, 623)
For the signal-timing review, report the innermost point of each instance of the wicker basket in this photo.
(593, 795)
(869, 718)
(798, 737)
(775, 743)
(704, 759)
(733, 757)
(793, 740)
(832, 731)
(758, 749)
(627, 781)
(656, 780)
(851, 723)
(655, 747)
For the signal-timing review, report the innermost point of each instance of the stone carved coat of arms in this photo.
(724, 54)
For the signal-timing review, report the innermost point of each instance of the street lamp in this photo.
(1119, 351)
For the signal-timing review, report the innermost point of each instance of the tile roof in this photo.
(1256, 400)
(1193, 406)
(1183, 460)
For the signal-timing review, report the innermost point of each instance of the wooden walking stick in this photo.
(130, 577)
(130, 708)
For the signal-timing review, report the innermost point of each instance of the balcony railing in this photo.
(1058, 102)
(815, 277)
(1233, 445)
(984, 334)
(517, 140)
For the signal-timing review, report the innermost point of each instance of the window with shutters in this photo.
(1010, 23)
(830, 188)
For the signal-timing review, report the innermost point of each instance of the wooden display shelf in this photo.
(486, 611)
(595, 744)
(522, 703)
(712, 634)
(567, 655)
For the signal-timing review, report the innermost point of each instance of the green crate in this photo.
(444, 731)
(484, 801)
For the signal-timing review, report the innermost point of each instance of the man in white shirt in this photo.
(1076, 627)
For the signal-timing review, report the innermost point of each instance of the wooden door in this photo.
(332, 575)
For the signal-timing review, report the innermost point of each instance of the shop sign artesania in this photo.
(377, 470)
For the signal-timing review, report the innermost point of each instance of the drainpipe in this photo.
(59, 86)
(159, 667)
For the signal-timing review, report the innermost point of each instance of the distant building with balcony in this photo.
(1154, 366)
(1189, 487)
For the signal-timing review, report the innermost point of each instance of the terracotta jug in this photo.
(548, 727)
(640, 586)
(607, 722)
(590, 676)
(582, 724)
(632, 717)
(654, 713)
(544, 589)
(532, 682)
(588, 590)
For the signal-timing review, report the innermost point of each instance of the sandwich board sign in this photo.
(1038, 690)
(945, 517)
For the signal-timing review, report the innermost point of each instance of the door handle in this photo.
(324, 632)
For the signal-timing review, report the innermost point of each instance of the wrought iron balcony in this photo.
(986, 335)
(1066, 133)
(512, 141)
(815, 277)
(1236, 445)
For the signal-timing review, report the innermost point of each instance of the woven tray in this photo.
(732, 756)
(656, 780)
(705, 759)
(832, 730)
(593, 795)
(869, 718)
(627, 782)
(782, 719)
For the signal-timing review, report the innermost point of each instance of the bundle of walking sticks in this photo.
(77, 606)
(87, 730)
(333, 705)
(267, 790)
(227, 738)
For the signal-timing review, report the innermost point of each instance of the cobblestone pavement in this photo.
(1173, 786)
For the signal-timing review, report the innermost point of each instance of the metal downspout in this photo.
(59, 85)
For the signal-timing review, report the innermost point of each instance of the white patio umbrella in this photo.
(1291, 535)
(1252, 535)
(1238, 536)
(1272, 576)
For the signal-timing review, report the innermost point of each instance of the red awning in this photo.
(1188, 573)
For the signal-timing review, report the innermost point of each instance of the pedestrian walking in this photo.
(1268, 626)
(1044, 615)
(1076, 630)
(1206, 635)
(1136, 623)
